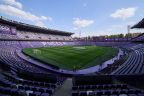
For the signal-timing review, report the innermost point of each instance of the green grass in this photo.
(70, 57)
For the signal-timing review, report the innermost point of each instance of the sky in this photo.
(88, 17)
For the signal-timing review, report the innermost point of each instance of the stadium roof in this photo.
(139, 25)
(33, 28)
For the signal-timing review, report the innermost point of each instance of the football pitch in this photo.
(72, 57)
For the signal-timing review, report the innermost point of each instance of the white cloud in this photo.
(13, 3)
(81, 23)
(75, 28)
(46, 18)
(10, 9)
(124, 13)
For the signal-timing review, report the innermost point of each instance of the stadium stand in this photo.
(20, 77)
(33, 86)
(111, 67)
(19, 31)
(139, 25)
(140, 38)
(134, 63)
(102, 86)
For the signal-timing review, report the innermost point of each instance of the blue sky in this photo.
(90, 17)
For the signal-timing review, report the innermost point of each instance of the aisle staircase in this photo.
(65, 89)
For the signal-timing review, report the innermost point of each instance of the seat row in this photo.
(100, 87)
(6, 91)
(18, 86)
(130, 92)
(106, 85)
(134, 64)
